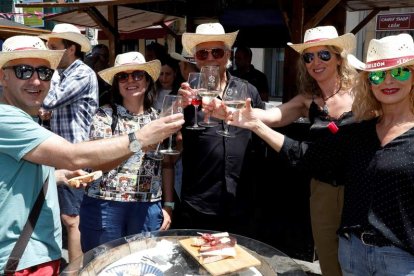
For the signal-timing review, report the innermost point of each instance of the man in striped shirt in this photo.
(73, 100)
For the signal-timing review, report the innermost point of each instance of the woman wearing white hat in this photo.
(325, 80)
(127, 200)
(373, 159)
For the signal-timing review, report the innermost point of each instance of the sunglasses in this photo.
(136, 76)
(217, 53)
(323, 55)
(25, 72)
(400, 74)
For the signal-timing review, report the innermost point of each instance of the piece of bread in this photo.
(76, 181)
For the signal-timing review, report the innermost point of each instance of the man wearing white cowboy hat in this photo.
(73, 99)
(373, 159)
(29, 153)
(213, 181)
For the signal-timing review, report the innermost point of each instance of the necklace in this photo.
(325, 107)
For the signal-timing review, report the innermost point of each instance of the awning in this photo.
(129, 19)
(10, 28)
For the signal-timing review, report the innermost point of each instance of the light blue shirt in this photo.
(20, 183)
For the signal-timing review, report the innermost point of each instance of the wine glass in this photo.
(210, 89)
(234, 98)
(195, 80)
(172, 104)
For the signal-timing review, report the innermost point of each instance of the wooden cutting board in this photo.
(242, 260)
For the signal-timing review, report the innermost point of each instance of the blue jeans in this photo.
(102, 221)
(358, 259)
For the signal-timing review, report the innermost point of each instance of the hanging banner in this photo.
(395, 22)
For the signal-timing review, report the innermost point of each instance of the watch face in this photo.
(134, 146)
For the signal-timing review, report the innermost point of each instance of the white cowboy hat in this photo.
(131, 61)
(69, 32)
(24, 46)
(386, 53)
(325, 35)
(184, 56)
(205, 33)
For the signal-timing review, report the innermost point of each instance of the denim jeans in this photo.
(358, 259)
(102, 221)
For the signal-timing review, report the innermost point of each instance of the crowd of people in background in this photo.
(108, 117)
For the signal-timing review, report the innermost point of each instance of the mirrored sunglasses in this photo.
(25, 72)
(217, 53)
(323, 55)
(136, 76)
(400, 74)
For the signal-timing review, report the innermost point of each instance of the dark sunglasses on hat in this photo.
(217, 53)
(323, 55)
(136, 76)
(25, 72)
(400, 74)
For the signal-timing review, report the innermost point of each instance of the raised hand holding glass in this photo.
(209, 89)
(234, 98)
(195, 80)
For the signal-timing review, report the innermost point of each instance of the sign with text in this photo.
(395, 22)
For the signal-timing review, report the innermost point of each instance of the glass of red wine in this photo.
(195, 81)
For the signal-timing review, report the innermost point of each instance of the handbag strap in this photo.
(27, 231)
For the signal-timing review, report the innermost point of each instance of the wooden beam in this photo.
(101, 21)
(168, 29)
(314, 21)
(289, 67)
(114, 45)
(84, 4)
(364, 22)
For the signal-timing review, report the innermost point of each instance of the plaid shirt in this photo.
(73, 98)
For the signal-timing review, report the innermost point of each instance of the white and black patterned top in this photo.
(137, 179)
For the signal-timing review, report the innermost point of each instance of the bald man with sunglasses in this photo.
(217, 171)
(30, 153)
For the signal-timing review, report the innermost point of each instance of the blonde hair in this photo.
(308, 85)
(365, 105)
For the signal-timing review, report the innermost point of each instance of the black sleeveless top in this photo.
(319, 120)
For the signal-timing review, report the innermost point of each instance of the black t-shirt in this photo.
(213, 165)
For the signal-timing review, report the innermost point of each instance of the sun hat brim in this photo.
(191, 40)
(82, 40)
(153, 68)
(379, 65)
(179, 57)
(53, 56)
(345, 42)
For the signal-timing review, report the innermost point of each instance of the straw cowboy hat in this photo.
(325, 35)
(184, 56)
(24, 46)
(131, 61)
(206, 33)
(386, 53)
(69, 32)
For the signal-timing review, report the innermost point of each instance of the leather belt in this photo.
(368, 238)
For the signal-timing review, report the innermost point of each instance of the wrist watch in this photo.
(169, 204)
(134, 145)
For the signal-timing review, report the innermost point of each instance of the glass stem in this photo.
(170, 143)
(195, 116)
(157, 149)
(226, 127)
